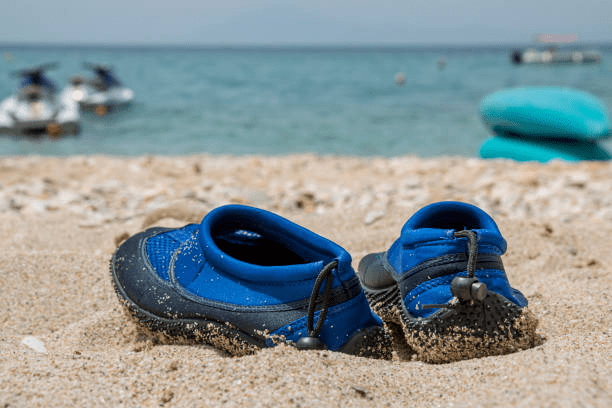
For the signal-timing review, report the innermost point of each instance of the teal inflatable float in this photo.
(545, 123)
(546, 112)
(542, 150)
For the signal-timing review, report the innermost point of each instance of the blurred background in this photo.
(337, 77)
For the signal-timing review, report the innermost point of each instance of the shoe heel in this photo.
(384, 302)
(471, 330)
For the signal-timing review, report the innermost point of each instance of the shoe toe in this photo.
(135, 278)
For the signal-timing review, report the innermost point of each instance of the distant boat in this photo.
(552, 54)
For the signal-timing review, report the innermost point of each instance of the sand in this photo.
(65, 340)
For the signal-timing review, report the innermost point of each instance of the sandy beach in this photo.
(66, 341)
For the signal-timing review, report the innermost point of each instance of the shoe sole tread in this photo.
(492, 327)
(367, 342)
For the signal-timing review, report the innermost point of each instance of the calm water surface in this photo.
(283, 100)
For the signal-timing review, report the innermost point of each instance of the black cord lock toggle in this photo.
(309, 343)
(467, 289)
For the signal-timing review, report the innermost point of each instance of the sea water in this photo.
(283, 100)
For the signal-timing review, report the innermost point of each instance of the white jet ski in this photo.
(36, 108)
(101, 94)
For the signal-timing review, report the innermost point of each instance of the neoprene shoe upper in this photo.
(428, 255)
(252, 271)
(442, 291)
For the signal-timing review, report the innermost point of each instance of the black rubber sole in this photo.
(467, 330)
(370, 342)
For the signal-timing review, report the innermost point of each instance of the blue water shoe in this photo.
(441, 287)
(244, 279)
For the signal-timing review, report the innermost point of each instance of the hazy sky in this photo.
(301, 22)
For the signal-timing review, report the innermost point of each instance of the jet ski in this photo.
(36, 108)
(102, 93)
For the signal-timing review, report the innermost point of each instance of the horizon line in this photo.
(287, 46)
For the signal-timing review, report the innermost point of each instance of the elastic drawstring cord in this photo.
(472, 249)
(311, 340)
(465, 289)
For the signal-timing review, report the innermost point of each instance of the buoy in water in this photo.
(400, 79)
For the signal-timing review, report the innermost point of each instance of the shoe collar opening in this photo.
(257, 245)
(450, 215)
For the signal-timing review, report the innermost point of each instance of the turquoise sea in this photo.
(283, 100)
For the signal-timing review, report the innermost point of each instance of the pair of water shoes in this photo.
(245, 278)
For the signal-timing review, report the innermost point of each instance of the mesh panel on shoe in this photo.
(160, 248)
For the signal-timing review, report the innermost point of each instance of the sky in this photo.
(312, 22)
